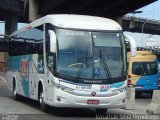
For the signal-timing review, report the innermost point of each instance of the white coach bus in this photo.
(69, 61)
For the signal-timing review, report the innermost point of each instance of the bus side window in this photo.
(137, 69)
(40, 63)
(50, 62)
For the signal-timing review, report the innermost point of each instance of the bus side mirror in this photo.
(53, 42)
(133, 45)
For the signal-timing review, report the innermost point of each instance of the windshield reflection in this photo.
(80, 52)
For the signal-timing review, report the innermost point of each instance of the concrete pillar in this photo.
(33, 10)
(10, 24)
(154, 107)
(119, 20)
(130, 98)
(25, 4)
(11, 21)
(132, 23)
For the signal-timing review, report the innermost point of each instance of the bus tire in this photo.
(43, 106)
(100, 111)
(15, 95)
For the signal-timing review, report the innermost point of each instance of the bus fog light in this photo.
(123, 101)
(58, 99)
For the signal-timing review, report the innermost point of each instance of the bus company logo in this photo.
(24, 68)
(93, 81)
(104, 88)
(93, 93)
(24, 74)
(24, 64)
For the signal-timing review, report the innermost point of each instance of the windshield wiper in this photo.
(105, 66)
(81, 66)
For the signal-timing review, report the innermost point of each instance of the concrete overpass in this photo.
(140, 25)
(132, 24)
(14, 11)
(29, 10)
(105, 8)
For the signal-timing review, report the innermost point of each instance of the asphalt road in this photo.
(26, 109)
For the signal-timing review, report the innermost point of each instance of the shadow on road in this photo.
(59, 112)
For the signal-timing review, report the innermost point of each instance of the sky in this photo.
(1, 26)
(151, 11)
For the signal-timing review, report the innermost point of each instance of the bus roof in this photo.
(142, 56)
(75, 22)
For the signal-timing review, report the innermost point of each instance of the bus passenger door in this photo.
(50, 64)
(24, 75)
(33, 71)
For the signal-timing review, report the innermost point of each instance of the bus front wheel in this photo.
(43, 106)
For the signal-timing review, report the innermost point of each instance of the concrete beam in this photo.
(33, 10)
(12, 5)
(119, 20)
(140, 25)
(25, 3)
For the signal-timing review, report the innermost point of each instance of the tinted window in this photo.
(27, 42)
(144, 68)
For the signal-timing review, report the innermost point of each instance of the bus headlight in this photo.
(63, 88)
(119, 90)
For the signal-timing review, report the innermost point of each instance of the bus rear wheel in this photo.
(15, 95)
(43, 106)
(101, 110)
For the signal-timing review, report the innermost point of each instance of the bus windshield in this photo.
(90, 55)
(144, 68)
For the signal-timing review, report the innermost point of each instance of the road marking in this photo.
(3, 79)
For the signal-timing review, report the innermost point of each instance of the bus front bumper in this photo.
(64, 99)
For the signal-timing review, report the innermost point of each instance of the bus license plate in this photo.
(83, 87)
(96, 102)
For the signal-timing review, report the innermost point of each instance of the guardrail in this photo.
(136, 24)
(4, 35)
(140, 19)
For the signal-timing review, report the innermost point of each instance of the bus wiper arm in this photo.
(105, 66)
(81, 66)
